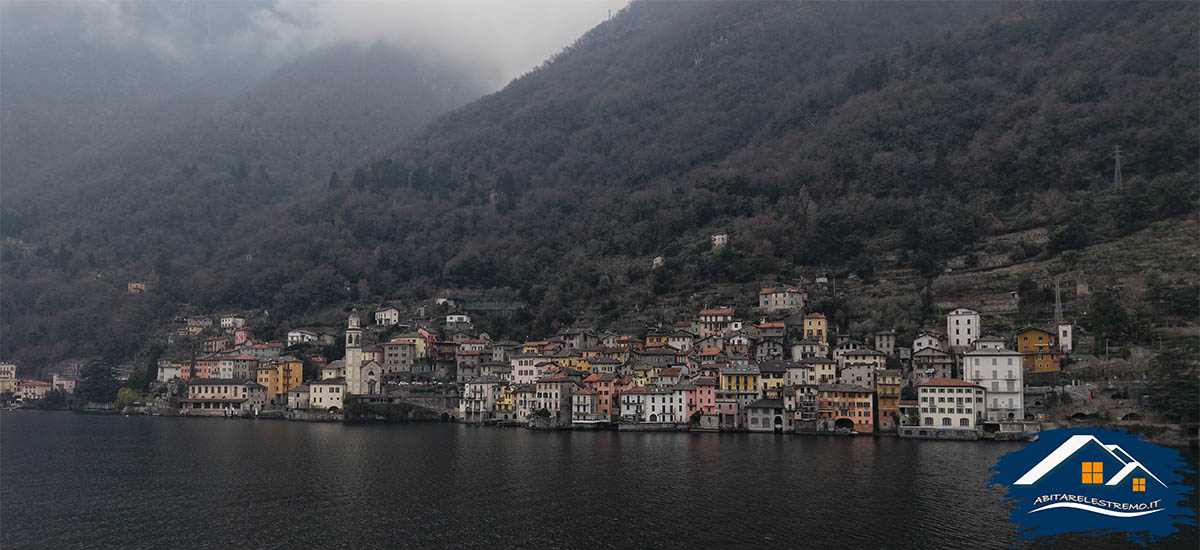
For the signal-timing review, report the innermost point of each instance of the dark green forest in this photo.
(816, 134)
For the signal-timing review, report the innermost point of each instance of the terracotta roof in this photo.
(672, 371)
(815, 315)
(776, 324)
(710, 352)
(717, 311)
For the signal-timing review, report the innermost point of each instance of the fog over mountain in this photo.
(80, 78)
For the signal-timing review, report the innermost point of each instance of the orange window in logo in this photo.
(1093, 472)
(1139, 484)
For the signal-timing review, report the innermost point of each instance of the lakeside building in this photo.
(846, 407)
(948, 409)
(224, 397)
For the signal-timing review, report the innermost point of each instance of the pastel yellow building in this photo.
(281, 375)
(740, 379)
(505, 400)
(815, 328)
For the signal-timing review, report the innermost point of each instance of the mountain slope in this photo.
(816, 139)
(87, 227)
(324, 112)
(840, 137)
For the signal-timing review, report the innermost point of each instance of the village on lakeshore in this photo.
(780, 368)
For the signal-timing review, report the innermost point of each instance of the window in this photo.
(1139, 484)
(946, 421)
(928, 421)
(964, 422)
(1093, 473)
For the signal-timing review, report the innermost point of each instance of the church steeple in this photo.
(353, 331)
(354, 355)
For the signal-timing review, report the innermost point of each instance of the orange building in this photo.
(1038, 349)
(846, 406)
(608, 397)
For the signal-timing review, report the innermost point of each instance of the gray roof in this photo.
(767, 404)
(843, 387)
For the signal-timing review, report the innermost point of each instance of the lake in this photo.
(83, 481)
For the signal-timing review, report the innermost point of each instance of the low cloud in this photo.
(492, 40)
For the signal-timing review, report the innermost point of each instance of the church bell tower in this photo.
(354, 357)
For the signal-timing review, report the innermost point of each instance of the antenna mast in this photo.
(1116, 155)
(1058, 316)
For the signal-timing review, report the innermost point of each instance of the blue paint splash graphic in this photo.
(1092, 481)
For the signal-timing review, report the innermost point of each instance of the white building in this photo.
(1065, 343)
(298, 397)
(927, 340)
(720, 240)
(167, 371)
(859, 374)
(999, 372)
(300, 337)
(664, 404)
(479, 398)
(457, 320)
(962, 327)
(554, 396)
(950, 404)
(633, 402)
(328, 394)
(232, 322)
(387, 316)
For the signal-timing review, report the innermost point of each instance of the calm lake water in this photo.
(78, 481)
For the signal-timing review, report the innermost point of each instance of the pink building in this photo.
(30, 390)
(209, 367)
(701, 396)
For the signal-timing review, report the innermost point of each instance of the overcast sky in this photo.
(494, 40)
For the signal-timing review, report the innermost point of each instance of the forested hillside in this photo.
(82, 229)
(816, 134)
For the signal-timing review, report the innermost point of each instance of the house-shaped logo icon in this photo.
(1092, 472)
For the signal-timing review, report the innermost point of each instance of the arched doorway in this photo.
(843, 424)
(654, 418)
(444, 417)
(778, 424)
